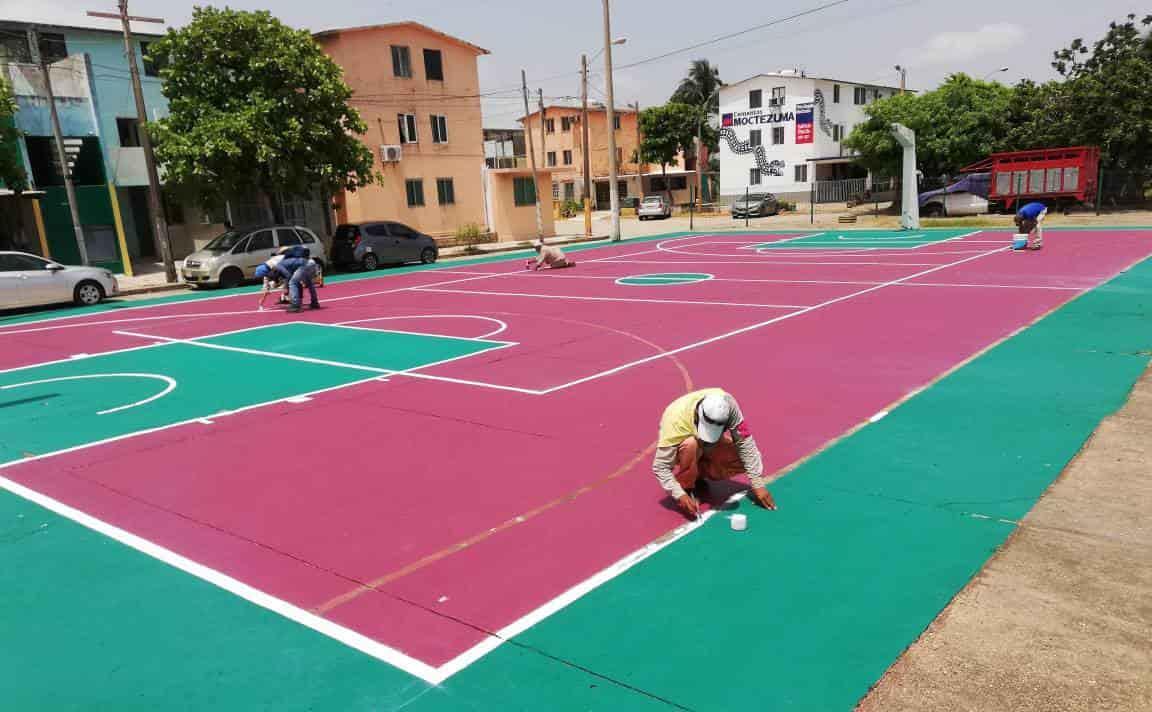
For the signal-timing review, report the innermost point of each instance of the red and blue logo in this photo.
(726, 120)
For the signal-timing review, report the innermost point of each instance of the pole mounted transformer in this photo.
(910, 197)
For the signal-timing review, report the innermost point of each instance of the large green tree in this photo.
(1103, 98)
(255, 107)
(11, 165)
(666, 131)
(960, 122)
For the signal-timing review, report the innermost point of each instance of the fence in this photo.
(1123, 188)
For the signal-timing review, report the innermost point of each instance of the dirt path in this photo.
(1061, 618)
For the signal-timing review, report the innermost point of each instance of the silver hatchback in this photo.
(233, 257)
(654, 206)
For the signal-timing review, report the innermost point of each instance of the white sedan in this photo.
(28, 280)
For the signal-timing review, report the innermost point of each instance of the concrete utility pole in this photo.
(543, 120)
(62, 154)
(639, 140)
(613, 189)
(155, 203)
(532, 156)
(587, 148)
(903, 76)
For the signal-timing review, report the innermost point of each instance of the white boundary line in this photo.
(606, 299)
(170, 386)
(348, 325)
(503, 326)
(660, 279)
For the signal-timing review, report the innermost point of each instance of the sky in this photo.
(853, 40)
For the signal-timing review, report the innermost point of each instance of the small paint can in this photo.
(739, 522)
(1019, 241)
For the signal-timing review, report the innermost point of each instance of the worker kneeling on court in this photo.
(703, 436)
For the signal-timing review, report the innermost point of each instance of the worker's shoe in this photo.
(314, 305)
(293, 309)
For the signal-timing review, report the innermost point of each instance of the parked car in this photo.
(233, 257)
(371, 244)
(967, 196)
(28, 280)
(654, 206)
(755, 205)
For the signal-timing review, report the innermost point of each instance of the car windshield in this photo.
(225, 242)
(652, 200)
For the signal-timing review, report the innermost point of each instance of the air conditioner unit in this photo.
(390, 154)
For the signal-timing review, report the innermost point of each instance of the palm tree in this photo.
(699, 86)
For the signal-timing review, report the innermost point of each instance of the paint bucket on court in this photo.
(739, 522)
(1020, 241)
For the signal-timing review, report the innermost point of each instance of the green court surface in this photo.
(69, 403)
(664, 278)
(804, 611)
(865, 239)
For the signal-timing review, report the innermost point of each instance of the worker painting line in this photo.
(548, 256)
(1029, 221)
(703, 436)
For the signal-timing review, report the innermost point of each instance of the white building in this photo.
(780, 131)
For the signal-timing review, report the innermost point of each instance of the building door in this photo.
(603, 199)
(138, 204)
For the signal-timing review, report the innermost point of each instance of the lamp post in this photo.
(584, 135)
(613, 190)
(994, 71)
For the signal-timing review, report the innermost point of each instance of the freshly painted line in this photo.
(753, 327)
(170, 385)
(78, 356)
(878, 417)
(606, 299)
(70, 359)
(106, 322)
(298, 399)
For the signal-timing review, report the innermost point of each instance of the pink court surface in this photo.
(438, 459)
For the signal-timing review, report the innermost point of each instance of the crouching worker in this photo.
(548, 256)
(1029, 221)
(703, 436)
(299, 272)
(271, 280)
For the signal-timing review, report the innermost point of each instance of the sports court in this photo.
(440, 482)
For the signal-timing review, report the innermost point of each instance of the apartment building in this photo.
(418, 91)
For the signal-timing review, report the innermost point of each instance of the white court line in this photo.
(170, 386)
(501, 325)
(346, 325)
(660, 246)
(606, 299)
(759, 263)
(762, 324)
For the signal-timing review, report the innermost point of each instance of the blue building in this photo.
(95, 103)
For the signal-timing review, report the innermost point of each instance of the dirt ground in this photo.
(1061, 618)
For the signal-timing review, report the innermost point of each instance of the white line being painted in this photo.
(605, 299)
(170, 385)
(501, 326)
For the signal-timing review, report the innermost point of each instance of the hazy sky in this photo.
(856, 40)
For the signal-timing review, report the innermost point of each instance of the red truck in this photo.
(1060, 177)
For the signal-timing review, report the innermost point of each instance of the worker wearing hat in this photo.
(548, 256)
(703, 436)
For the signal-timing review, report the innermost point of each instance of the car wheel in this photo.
(934, 210)
(370, 262)
(428, 256)
(231, 277)
(88, 293)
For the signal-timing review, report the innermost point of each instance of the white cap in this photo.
(712, 417)
(538, 243)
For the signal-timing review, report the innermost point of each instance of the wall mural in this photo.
(825, 124)
(743, 148)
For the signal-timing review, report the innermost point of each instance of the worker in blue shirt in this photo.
(299, 272)
(1028, 222)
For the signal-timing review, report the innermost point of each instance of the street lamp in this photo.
(584, 131)
(994, 71)
(617, 41)
(903, 75)
(613, 189)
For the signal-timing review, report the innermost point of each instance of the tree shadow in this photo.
(30, 399)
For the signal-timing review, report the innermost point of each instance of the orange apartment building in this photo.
(418, 91)
(563, 154)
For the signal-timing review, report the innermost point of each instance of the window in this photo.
(445, 191)
(550, 125)
(378, 230)
(52, 47)
(619, 156)
(401, 62)
(306, 237)
(777, 135)
(569, 191)
(551, 158)
(21, 263)
(755, 137)
(566, 123)
(835, 93)
(567, 158)
(755, 99)
(261, 240)
(439, 129)
(14, 47)
(622, 188)
(555, 191)
(801, 173)
(679, 182)
(777, 96)
(433, 65)
(407, 124)
(414, 187)
(287, 236)
(400, 230)
(152, 67)
(754, 176)
(859, 95)
(524, 191)
(616, 122)
(837, 132)
(129, 130)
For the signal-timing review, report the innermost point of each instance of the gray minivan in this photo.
(371, 244)
(233, 257)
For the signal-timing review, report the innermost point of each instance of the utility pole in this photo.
(639, 140)
(587, 158)
(155, 204)
(532, 156)
(65, 168)
(903, 75)
(543, 146)
(613, 189)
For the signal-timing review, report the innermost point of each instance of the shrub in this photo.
(470, 235)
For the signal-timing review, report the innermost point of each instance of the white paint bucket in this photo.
(1019, 241)
(739, 522)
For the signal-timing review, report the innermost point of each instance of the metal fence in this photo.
(1123, 188)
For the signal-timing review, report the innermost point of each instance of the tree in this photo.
(255, 107)
(11, 165)
(701, 86)
(1104, 98)
(667, 130)
(960, 122)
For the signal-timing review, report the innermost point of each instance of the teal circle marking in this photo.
(664, 278)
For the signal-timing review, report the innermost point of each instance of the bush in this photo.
(786, 206)
(470, 235)
(570, 208)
